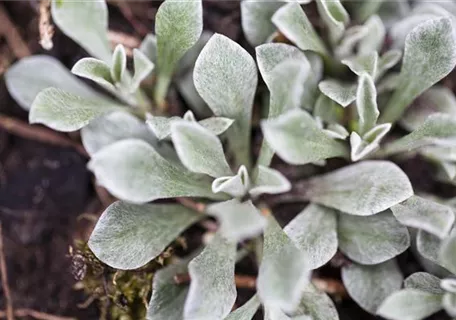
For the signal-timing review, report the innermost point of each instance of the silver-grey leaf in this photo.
(314, 232)
(343, 93)
(236, 186)
(132, 170)
(369, 286)
(212, 290)
(362, 189)
(269, 181)
(447, 254)
(366, 103)
(428, 245)
(367, 63)
(315, 305)
(430, 54)
(25, 79)
(149, 47)
(430, 216)
(95, 70)
(425, 282)
(143, 67)
(246, 311)
(64, 111)
(373, 239)
(334, 15)
(280, 285)
(127, 236)
(238, 220)
(377, 32)
(119, 64)
(449, 303)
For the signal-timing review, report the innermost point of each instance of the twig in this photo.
(45, 26)
(22, 129)
(4, 274)
(197, 206)
(242, 281)
(21, 313)
(12, 35)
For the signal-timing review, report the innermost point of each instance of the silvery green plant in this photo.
(366, 210)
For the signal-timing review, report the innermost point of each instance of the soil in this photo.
(44, 189)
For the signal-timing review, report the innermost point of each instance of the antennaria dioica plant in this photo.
(333, 92)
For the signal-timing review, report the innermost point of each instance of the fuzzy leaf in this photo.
(168, 298)
(420, 213)
(25, 80)
(438, 129)
(448, 284)
(280, 285)
(374, 239)
(363, 64)
(428, 245)
(334, 15)
(361, 189)
(95, 70)
(447, 254)
(246, 311)
(111, 128)
(297, 139)
(228, 91)
(449, 303)
(370, 285)
(343, 93)
(256, 20)
(86, 22)
(64, 111)
(430, 55)
(133, 171)
(366, 103)
(410, 304)
(352, 36)
(149, 47)
(236, 186)
(216, 125)
(314, 232)
(362, 147)
(387, 61)
(199, 149)
(269, 181)
(315, 305)
(238, 221)
(377, 32)
(119, 64)
(328, 110)
(143, 67)
(178, 26)
(436, 99)
(424, 282)
(212, 290)
(292, 21)
(128, 236)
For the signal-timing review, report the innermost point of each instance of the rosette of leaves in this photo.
(330, 95)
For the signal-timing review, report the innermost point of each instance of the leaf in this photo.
(314, 232)
(256, 20)
(361, 189)
(149, 47)
(212, 290)
(86, 22)
(366, 103)
(352, 36)
(297, 139)
(387, 61)
(438, 129)
(437, 99)
(328, 110)
(25, 79)
(449, 303)
(119, 64)
(315, 305)
(364, 10)
(410, 304)
(292, 21)
(430, 55)
(372, 240)
(343, 93)
(377, 32)
(216, 125)
(428, 245)
(363, 64)
(246, 311)
(420, 213)
(269, 181)
(178, 26)
(280, 285)
(238, 221)
(64, 111)
(96, 70)
(334, 15)
(143, 67)
(226, 90)
(447, 254)
(424, 282)
(362, 147)
(113, 127)
(133, 171)
(199, 149)
(448, 284)
(168, 298)
(128, 236)
(236, 186)
(369, 286)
